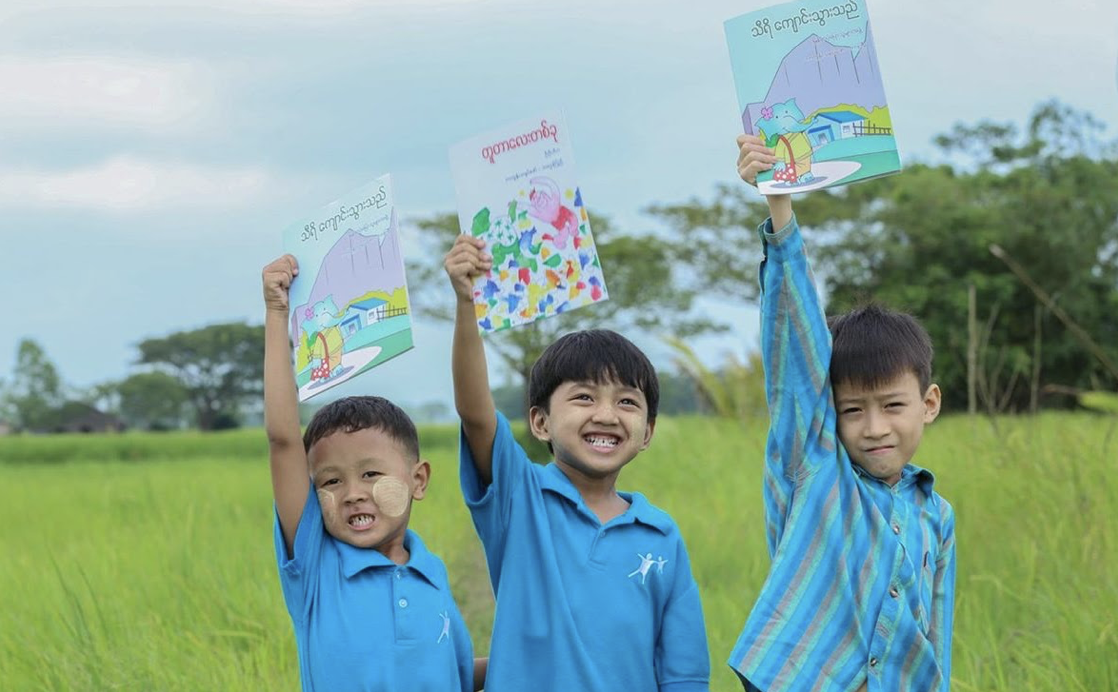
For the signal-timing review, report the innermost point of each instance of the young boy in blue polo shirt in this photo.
(371, 606)
(860, 594)
(594, 587)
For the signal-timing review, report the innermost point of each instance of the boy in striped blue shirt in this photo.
(860, 593)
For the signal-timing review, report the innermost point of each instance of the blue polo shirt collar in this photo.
(640, 509)
(420, 559)
(910, 474)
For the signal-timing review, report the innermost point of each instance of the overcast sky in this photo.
(151, 153)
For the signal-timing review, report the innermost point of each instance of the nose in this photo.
(604, 413)
(356, 492)
(876, 425)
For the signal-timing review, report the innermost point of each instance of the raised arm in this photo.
(290, 478)
(795, 347)
(472, 397)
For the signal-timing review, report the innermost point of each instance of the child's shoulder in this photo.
(649, 514)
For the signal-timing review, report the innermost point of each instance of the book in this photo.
(349, 309)
(516, 187)
(808, 84)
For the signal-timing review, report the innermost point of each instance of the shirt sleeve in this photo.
(300, 569)
(796, 351)
(682, 656)
(491, 505)
(943, 598)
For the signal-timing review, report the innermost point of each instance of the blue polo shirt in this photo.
(582, 606)
(362, 622)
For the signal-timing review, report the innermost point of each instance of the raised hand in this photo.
(466, 261)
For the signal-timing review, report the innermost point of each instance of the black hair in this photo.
(593, 355)
(355, 413)
(874, 345)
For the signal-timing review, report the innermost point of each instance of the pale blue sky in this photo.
(152, 153)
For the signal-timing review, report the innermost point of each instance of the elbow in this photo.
(278, 441)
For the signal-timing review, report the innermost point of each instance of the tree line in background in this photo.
(1008, 253)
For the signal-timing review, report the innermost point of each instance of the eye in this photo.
(628, 401)
(371, 474)
(895, 405)
(582, 396)
(849, 410)
(330, 481)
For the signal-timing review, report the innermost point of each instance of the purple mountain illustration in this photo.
(358, 264)
(819, 74)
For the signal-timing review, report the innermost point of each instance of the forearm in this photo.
(472, 396)
(281, 400)
(780, 209)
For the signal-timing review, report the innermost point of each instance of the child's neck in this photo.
(598, 494)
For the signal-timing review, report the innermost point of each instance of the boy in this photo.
(594, 587)
(371, 606)
(861, 588)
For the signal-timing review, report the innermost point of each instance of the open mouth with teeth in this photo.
(360, 522)
(602, 443)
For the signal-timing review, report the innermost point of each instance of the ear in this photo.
(420, 476)
(648, 434)
(540, 423)
(933, 399)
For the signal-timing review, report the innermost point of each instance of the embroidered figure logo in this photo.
(660, 564)
(646, 564)
(446, 627)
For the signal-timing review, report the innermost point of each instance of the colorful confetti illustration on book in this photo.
(538, 233)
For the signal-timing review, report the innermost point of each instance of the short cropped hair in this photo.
(593, 355)
(873, 346)
(355, 413)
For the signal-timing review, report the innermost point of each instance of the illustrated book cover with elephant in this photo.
(808, 84)
(516, 187)
(349, 309)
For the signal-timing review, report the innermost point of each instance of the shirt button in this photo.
(873, 663)
(399, 574)
(403, 603)
(893, 591)
(897, 529)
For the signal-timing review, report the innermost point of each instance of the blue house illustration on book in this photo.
(362, 314)
(832, 126)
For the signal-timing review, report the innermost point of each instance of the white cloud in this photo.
(128, 184)
(84, 89)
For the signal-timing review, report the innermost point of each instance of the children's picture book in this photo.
(808, 84)
(349, 303)
(517, 188)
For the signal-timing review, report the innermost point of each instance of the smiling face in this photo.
(881, 427)
(366, 481)
(594, 428)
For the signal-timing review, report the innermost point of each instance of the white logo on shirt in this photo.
(446, 627)
(646, 564)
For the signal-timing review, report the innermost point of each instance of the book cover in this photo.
(517, 188)
(808, 84)
(349, 303)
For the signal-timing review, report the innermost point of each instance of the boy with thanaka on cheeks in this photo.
(372, 608)
(860, 593)
(594, 588)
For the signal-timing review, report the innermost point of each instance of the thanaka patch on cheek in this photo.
(328, 504)
(391, 495)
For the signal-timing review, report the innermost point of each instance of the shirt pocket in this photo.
(927, 581)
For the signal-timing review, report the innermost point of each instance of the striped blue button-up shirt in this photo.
(862, 583)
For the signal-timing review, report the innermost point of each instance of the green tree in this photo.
(152, 400)
(647, 291)
(36, 391)
(219, 366)
(917, 241)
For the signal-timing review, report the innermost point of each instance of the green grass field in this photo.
(144, 562)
